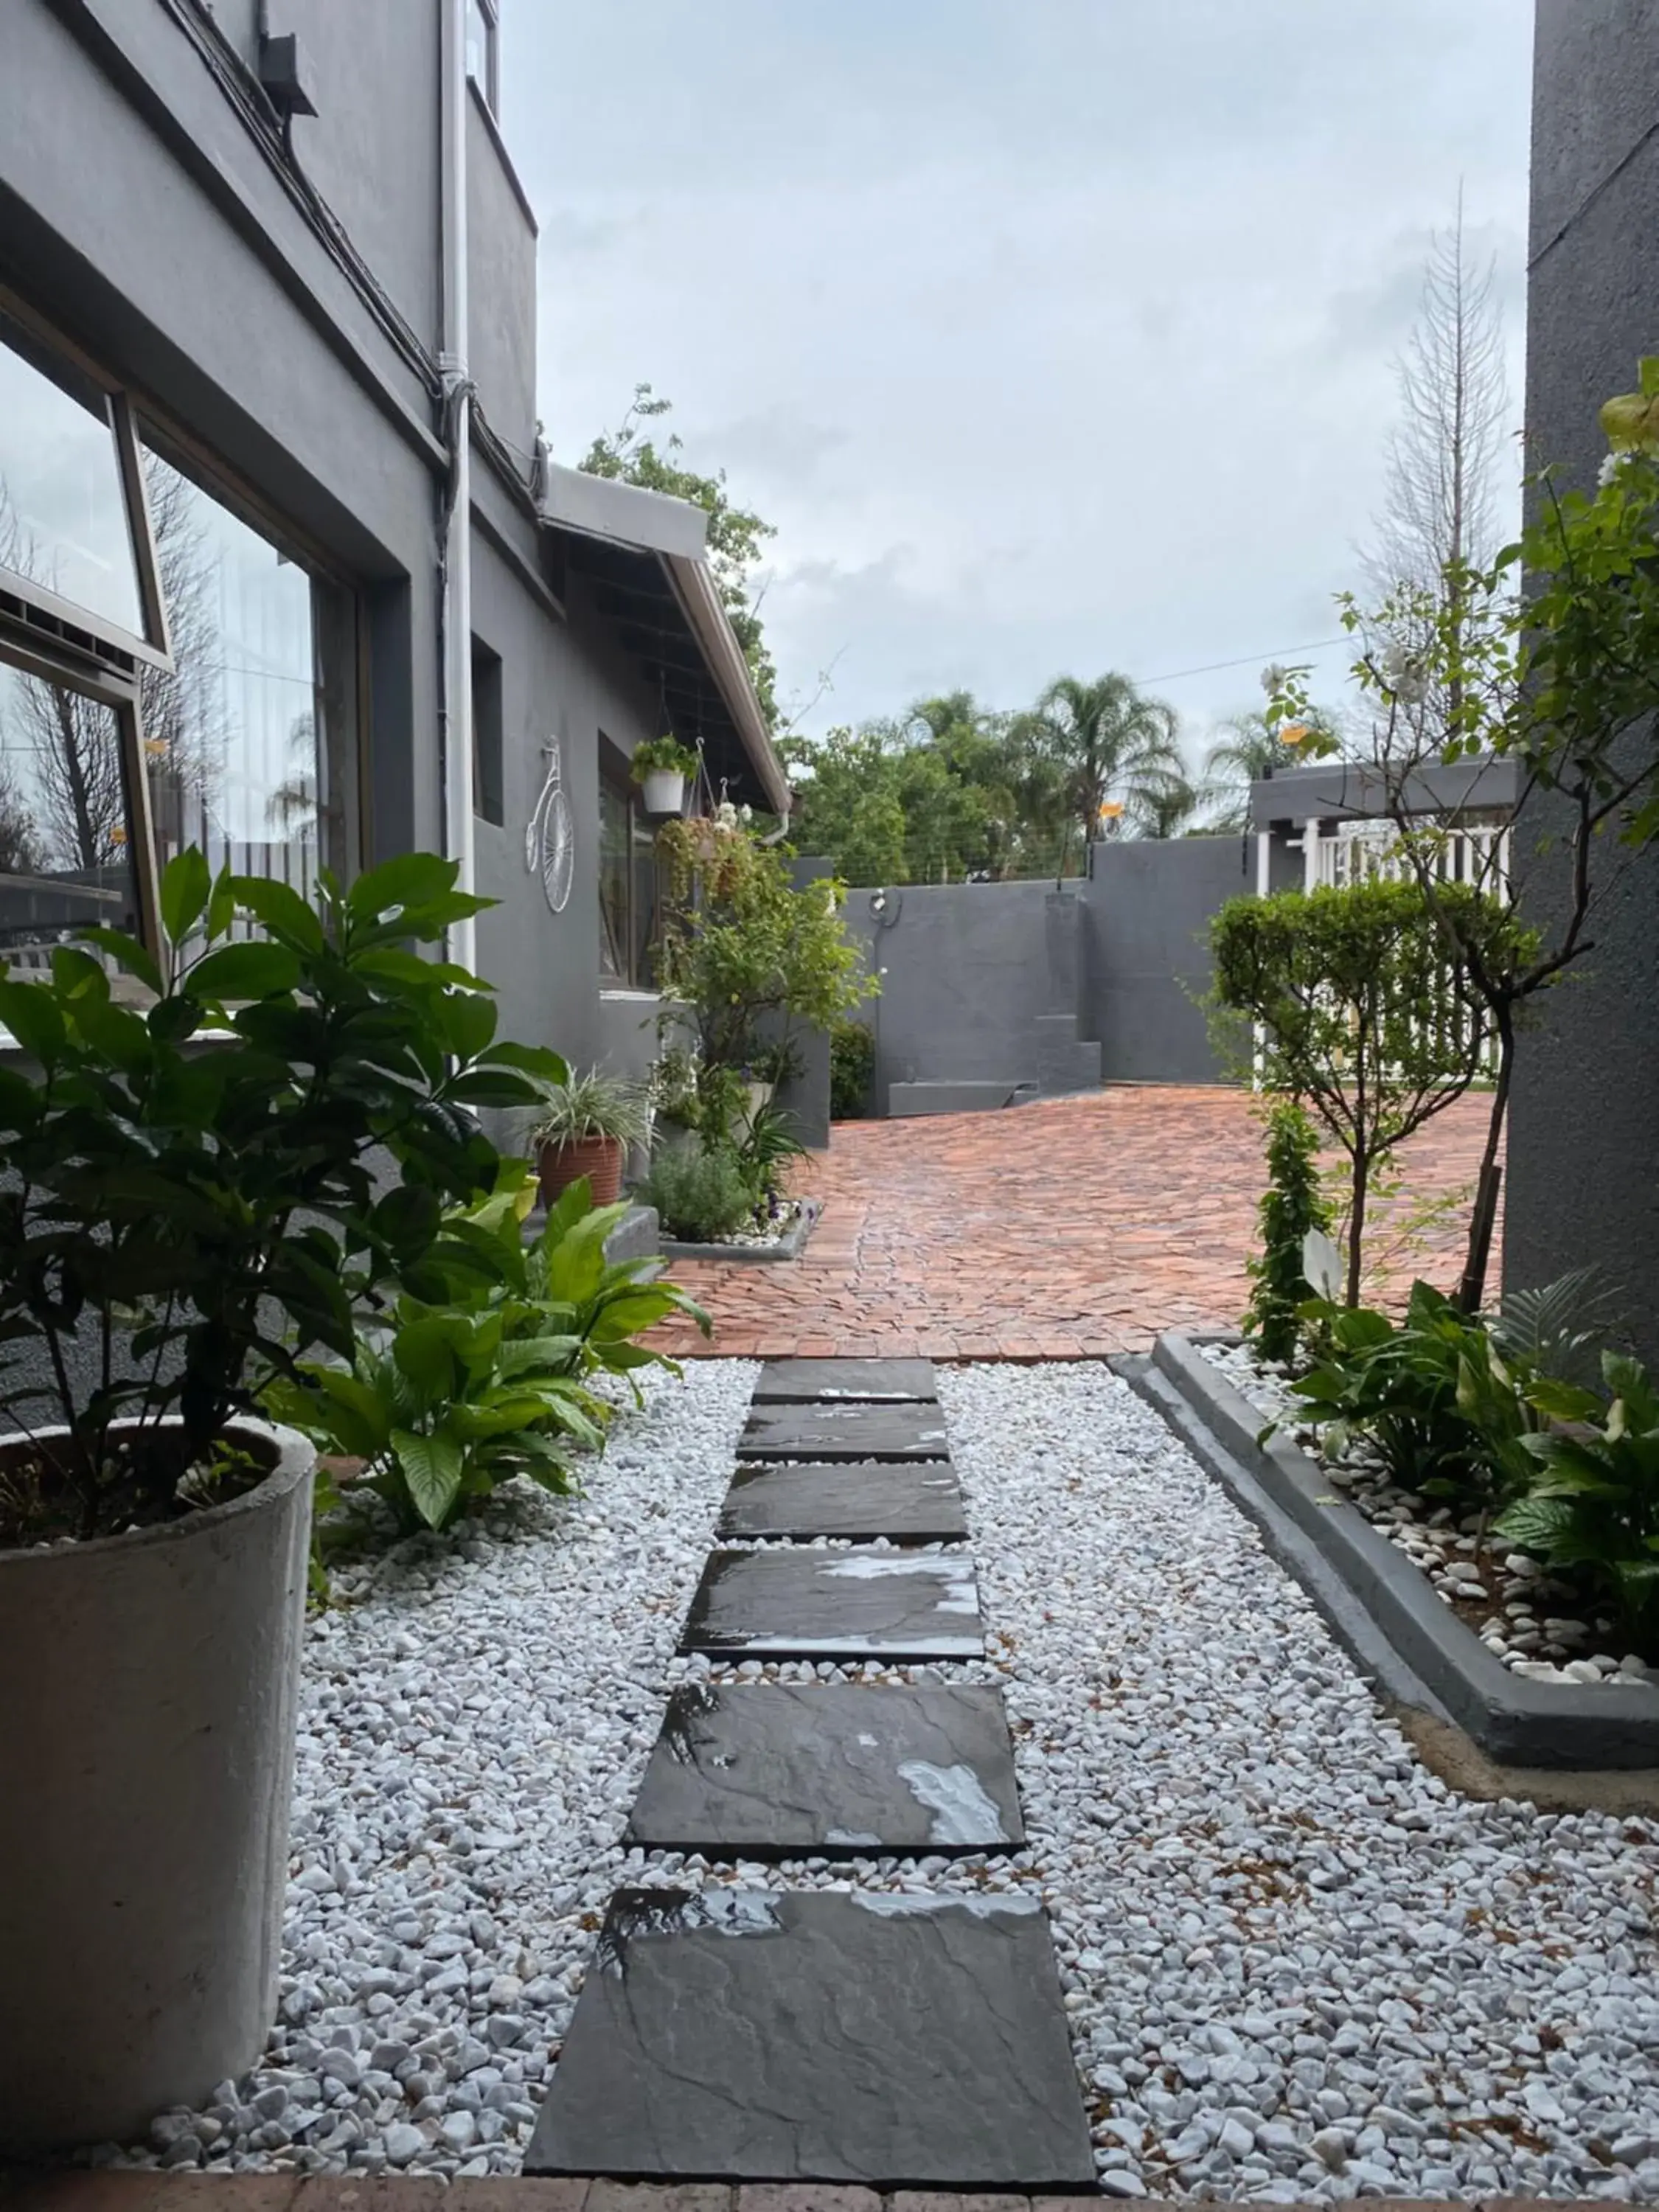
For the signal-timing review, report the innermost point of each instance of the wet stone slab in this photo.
(756, 2036)
(844, 1429)
(892, 1381)
(837, 1605)
(918, 1501)
(764, 1769)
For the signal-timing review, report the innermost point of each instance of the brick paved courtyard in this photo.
(1073, 1229)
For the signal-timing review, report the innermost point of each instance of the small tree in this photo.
(1361, 1011)
(1291, 1205)
(1562, 679)
(744, 948)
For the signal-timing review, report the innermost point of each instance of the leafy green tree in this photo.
(1107, 743)
(737, 535)
(1365, 1010)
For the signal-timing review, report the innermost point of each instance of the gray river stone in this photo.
(895, 2039)
(889, 1382)
(756, 1770)
(843, 1428)
(917, 1500)
(840, 1605)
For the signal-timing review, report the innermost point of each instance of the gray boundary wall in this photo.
(1146, 905)
(994, 989)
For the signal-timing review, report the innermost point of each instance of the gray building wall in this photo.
(1582, 1177)
(1146, 907)
(158, 236)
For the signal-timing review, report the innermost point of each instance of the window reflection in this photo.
(64, 520)
(233, 738)
(66, 860)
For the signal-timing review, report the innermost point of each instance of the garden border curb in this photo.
(789, 1248)
(1382, 1607)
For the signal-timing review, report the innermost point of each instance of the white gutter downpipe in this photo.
(455, 551)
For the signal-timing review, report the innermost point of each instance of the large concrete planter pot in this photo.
(149, 1686)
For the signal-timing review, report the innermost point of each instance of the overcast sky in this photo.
(1054, 334)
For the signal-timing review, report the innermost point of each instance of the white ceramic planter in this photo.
(663, 791)
(148, 1685)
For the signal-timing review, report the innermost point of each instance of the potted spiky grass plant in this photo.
(584, 1128)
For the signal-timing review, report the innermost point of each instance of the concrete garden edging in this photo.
(148, 1696)
(786, 1248)
(1380, 1604)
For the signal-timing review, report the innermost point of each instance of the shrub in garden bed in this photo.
(480, 1371)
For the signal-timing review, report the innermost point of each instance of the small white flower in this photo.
(1611, 469)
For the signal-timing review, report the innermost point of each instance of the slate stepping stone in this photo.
(776, 1769)
(839, 1605)
(842, 1430)
(884, 1382)
(919, 1500)
(748, 2035)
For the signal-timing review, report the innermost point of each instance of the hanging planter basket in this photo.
(662, 791)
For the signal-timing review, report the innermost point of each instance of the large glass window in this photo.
(67, 530)
(628, 886)
(235, 736)
(157, 646)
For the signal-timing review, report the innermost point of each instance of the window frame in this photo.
(155, 646)
(615, 776)
(109, 688)
(84, 654)
(489, 86)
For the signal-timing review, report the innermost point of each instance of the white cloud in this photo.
(1055, 334)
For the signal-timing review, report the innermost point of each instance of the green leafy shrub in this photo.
(851, 1070)
(1364, 1009)
(1449, 1417)
(479, 1374)
(197, 1214)
(700, 1190)
(1593, 1506)
(662, 755)
(1290, 1206)
(745, 949)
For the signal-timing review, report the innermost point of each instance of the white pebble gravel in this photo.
(1275, 1924)
(1294, 1963)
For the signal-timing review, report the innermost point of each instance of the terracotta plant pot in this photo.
(599, 1158)
(149, 1686)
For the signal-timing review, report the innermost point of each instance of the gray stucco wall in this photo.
(563, 680)
(1145, 909)
(1584, 1150)
(966, 972)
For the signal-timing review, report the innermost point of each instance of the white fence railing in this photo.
(1371, 851)
(1361, 852)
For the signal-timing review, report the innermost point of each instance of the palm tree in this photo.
(1165, 807)
(1110, 745)
(1254, 746)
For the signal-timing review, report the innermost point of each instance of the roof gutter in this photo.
(694, 587)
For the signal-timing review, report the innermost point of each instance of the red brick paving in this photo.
(1074, 1229)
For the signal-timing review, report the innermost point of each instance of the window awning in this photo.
(641, 557)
